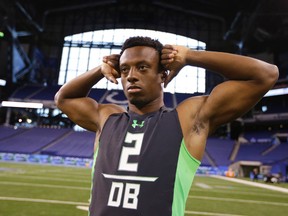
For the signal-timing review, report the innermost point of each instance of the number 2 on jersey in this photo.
(134, 143)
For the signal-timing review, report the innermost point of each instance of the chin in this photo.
(138, 102)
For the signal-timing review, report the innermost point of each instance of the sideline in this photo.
(256, 184)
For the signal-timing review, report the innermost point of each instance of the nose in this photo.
(132, 75)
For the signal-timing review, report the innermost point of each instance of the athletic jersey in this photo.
(141, 166)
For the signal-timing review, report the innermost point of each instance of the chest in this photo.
(134, 144)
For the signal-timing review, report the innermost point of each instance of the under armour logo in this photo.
(135, 124)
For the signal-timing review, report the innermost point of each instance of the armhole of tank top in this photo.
(187, 154)
(185, 172)
(185, 151)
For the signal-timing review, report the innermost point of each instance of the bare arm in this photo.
(73, 101)
(248, 80)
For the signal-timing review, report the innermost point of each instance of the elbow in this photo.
(58, 100)
(268, 76)
(273, 75)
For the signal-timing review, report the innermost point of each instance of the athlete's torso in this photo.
(136, 164)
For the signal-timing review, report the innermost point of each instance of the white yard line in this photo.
(45, 178)
(203, 185)
(209, 213)
(86, 208)
(44, 185)
(256, 184)
(42, 201)
(239, 200)
(278, 195)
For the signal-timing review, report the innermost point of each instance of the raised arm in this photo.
(248, 81)
(72, 98)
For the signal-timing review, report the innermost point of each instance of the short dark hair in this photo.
(144, 41)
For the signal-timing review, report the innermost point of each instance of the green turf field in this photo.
(41, 190)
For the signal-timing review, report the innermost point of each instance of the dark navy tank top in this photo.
(135, 165)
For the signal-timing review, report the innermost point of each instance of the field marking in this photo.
(44, 178)
(239, 200)
(81, 204)
(53, 173)
(44, 185)
(209, 213)
(42, 201)
(86, 208)
(203, 185)
(256, 184)
(224, 187)
(59, 173)
(241, 192)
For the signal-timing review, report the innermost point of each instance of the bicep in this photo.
(82, 111)
(230, 100)
(87, 113)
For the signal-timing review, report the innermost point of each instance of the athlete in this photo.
(147, 155)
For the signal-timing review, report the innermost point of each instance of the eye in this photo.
(124, 70)
(143, 67)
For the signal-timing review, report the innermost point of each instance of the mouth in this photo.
(133, 89)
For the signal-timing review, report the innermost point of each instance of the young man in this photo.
(147, 156)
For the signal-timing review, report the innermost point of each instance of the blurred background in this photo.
(44, 44)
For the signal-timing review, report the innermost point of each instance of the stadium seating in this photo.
(31, 140)
(70, 143)
(7, 132)
(220, 150)
(67, 142)
(74, 144)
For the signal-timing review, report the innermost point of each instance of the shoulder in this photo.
(106, 110)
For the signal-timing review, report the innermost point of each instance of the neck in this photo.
(147, 108)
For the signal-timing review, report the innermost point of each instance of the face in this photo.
(140, 75)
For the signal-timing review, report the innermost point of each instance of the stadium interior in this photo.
(32, 36)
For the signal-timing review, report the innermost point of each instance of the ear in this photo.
(164, 75)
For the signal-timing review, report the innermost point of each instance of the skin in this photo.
(143, 81)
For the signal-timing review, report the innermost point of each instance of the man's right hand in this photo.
(110, 67)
